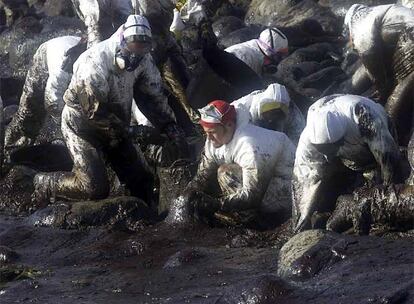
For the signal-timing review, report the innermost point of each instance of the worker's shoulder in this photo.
(252, 134)
(242, 45)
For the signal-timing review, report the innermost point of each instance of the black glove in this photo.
(206, 204)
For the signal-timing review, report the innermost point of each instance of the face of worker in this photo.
(272, 120)
(139, 48)
(329, 150)
(220, 135)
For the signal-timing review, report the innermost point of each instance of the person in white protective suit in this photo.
(253, 167)
(97, 113)
(342, 132)
(273, 109)
(46, 82)
(262, 55)
(383, 37)
(103, 17)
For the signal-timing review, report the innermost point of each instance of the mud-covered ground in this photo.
(197, 265)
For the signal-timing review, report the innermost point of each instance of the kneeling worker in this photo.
(253, 168)
(97, 112)
(342, 132)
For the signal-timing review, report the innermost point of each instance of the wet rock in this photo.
(323, 78)
(16, 189)
(389, 207)
(239, 36)
(225, 25)
(7, 255)
(310, 71)
(241, 4)
(264, 289)
(19, 44)
(58, 8)
(206, 86)
(8, 113)
(310, 252)
(291, 13)
(184, 257)
(54, 215)
(117, 213)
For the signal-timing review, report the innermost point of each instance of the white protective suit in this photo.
(362, 124)
(292, 125)
(46, 82)
(250, 53)
(266, 159)
(383, 37)
(257, 53)
(95, 122)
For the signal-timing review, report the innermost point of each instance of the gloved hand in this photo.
(206, 204)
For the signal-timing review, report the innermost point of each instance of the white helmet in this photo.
(137, 28)
(325, 127)
(272, 40)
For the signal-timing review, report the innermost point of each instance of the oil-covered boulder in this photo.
(16, 188)
(19, 43)
(58, 8)
(225, 25)
(308, 253)
(387, 207)
(240, 35)
(119, 213)
(291, 13)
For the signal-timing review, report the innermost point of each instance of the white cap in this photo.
(272, 40)
(325, 127)
(137, 25)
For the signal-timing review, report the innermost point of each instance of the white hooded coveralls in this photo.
(363, 125)
(266, 160)
(96, 118)
(44, 87)
(250, 53)
(292, 125)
